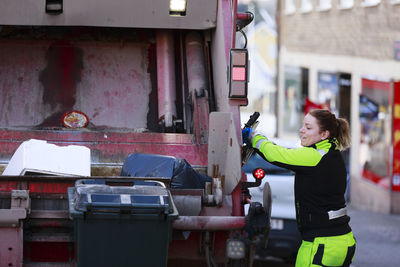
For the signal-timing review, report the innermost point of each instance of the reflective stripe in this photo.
(333, 214)
(252, 135)
(258, 144)
(321, 152)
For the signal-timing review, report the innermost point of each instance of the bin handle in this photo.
(133, 208)
(118, 182)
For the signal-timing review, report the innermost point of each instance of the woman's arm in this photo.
(304, 156)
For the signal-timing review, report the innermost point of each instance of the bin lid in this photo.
(151, 197)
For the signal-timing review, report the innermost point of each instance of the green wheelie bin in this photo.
(128, 224)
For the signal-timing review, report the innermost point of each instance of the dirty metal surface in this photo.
(56, 184)
(209, 223)
(224, 150)
(191, 248)
(110, 147)
(41, 80)
(136, 14)
(201, 118)
(11, 246)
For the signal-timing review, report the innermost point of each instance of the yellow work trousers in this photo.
(327, 251)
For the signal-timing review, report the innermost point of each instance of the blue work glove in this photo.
(245, 135)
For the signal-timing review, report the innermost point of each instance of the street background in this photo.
(378, 240)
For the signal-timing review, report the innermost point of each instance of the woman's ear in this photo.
(325, 134)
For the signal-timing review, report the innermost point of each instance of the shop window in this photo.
(344, 95)
(306, 6)
(367, 3)
(328, 91)
(290, 7)
(296, 91)
(324, 5)
(346, 4)
(376, 131)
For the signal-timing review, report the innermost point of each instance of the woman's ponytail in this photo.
(343, 133)
(338, 127)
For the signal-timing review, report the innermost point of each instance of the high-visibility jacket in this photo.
(320, 184)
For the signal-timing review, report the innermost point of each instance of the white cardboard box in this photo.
(40, 157)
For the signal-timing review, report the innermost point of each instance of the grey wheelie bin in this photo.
(121, 225)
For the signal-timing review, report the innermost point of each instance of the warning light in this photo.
(235, 249)
(177, 7)
(238, 73)
(258, 173)
(54, 7)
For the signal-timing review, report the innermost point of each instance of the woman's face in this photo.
(310, 132)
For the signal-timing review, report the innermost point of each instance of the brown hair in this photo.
(338, 127)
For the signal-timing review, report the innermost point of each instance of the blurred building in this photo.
(262, 46)
(345, 54)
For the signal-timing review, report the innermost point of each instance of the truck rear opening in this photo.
(120, 78)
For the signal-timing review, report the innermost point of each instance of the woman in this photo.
(320, 184)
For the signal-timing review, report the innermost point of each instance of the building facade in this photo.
(345, 55)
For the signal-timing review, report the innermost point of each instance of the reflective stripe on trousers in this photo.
(331, 251)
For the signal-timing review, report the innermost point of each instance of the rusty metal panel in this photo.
(19, 68)
(7, 186)
(11, 229)
(209, 223)
(111, 147)
(224, 151)
(190, 249)
(201, 118)
(116, 85)
(104, 136)
(220, 47)
(41, 80)
(11, 246)
(123, 13)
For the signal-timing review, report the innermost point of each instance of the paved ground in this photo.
(378, 240)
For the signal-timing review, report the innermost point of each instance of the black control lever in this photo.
(247, 149)
(253, 119)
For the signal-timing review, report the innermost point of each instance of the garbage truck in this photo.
(123, 79)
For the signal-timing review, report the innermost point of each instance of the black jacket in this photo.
(320, 184)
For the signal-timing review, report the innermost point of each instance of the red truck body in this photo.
(149, 81)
